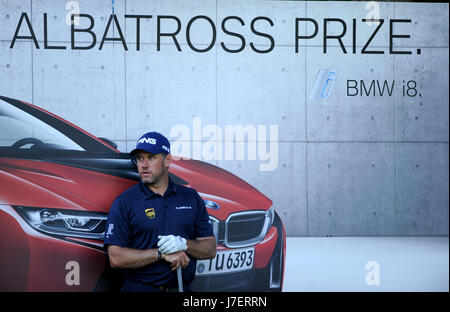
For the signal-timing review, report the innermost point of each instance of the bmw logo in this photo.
(211, 204)
(200, 268)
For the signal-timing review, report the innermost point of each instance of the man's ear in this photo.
(168, 160)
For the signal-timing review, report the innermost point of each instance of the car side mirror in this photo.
(109, 142)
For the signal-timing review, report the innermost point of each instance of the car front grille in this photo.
(240, 229)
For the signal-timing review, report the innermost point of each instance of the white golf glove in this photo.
(170, 243)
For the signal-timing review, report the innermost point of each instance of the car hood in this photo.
(231, 193)
(83, 183)
(55, 184)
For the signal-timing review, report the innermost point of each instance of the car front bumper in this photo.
(32, 261)
(267, 272)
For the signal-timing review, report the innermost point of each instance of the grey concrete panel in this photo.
(351, 196)
(16, 71)
(281, 13)
(262, 89)
(59, 23)
(428, 27)
(350, 118)
(84, 88)
(285, 186)
(10, 12)
(422, 188)
(59, 26)
(423, 117)
(169, 88)
(201, 31)
(320, 10)
(363, 139)
(121, 145)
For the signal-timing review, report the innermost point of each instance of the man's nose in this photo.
(145, 163)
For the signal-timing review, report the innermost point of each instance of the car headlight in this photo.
(62, 222)
(270, 217)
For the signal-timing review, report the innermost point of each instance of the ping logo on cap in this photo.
(147, 140)
(152, 142)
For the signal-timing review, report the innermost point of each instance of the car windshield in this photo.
(19, 129)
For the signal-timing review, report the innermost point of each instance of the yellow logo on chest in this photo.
(150, 212)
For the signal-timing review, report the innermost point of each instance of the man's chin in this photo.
(148, 181)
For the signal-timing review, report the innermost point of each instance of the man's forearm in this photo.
(128, 258)
(202, 248)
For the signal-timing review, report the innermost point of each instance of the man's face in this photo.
(152, 167)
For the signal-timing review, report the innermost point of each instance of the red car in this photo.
(57, 184)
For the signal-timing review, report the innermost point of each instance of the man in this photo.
(157, 226)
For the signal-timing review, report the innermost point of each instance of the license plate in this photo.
(233, 260)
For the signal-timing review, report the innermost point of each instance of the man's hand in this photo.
(177, 259)
(170, 243)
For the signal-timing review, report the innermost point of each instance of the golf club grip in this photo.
(180, 279)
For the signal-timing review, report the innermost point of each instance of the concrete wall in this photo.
(346, 165)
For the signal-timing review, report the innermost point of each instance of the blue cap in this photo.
(152, 142)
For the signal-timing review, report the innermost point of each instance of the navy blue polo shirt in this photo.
(138, 216)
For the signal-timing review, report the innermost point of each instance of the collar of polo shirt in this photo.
(149, 193)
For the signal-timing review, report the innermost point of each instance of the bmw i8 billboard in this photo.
(305, 119)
